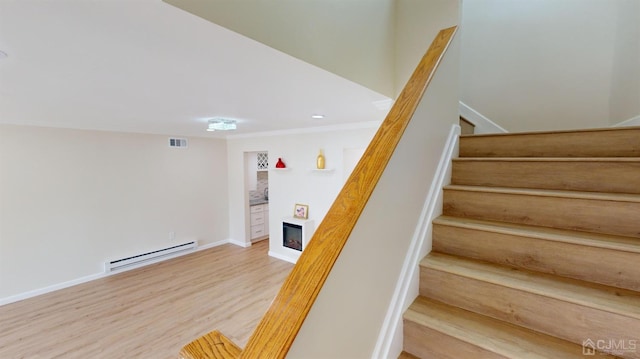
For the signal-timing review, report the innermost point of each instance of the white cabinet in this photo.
(259, 221)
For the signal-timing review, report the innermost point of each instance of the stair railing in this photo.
(274, 335)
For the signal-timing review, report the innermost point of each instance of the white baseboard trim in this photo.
(238, 243)
(51, 288)
(389, 343)
(634, 121)
(71, 283)
(212, 244)
(283, 257)
(483, 124)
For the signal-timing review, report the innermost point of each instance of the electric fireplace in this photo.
(292, 236)
(296, 233)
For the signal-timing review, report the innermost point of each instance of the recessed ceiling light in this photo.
(317, 116)
(221, 124)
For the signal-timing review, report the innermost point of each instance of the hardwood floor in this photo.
(149, 312)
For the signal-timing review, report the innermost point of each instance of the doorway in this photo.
(257, 193)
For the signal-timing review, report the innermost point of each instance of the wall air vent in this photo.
(178, 142)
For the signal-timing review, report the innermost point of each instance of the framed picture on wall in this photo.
(301, 211)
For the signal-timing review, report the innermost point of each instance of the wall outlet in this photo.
(172, 236)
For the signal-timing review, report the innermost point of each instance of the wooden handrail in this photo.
(211, 345)
(280, 325)
(278, 328)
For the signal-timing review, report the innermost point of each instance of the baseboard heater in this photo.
(149, 257)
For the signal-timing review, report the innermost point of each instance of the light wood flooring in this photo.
(149, 312)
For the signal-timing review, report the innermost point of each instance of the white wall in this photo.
(350, 310)
(417, 23)
(353, 39)
(375, 43)
(72, 199)
(297, 185)
(540, 65)
(625, 89)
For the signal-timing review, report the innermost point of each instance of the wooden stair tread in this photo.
(555, 132)
(609, 213)
(605, 298)
(538, 241)
(405, 355)
(493, 335)
(589, 174)
(620, 243)
(601, 196)
(549, 159)
(606, 142)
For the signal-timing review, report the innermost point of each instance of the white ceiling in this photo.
(146, 66)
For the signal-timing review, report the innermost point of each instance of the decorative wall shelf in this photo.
(281, 169)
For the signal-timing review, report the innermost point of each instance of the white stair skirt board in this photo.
(634, 121)
(389, 343)
(483, 124)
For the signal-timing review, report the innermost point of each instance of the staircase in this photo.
(537, 253)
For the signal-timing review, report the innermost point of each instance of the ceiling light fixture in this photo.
(317, 116)
(221, 124)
